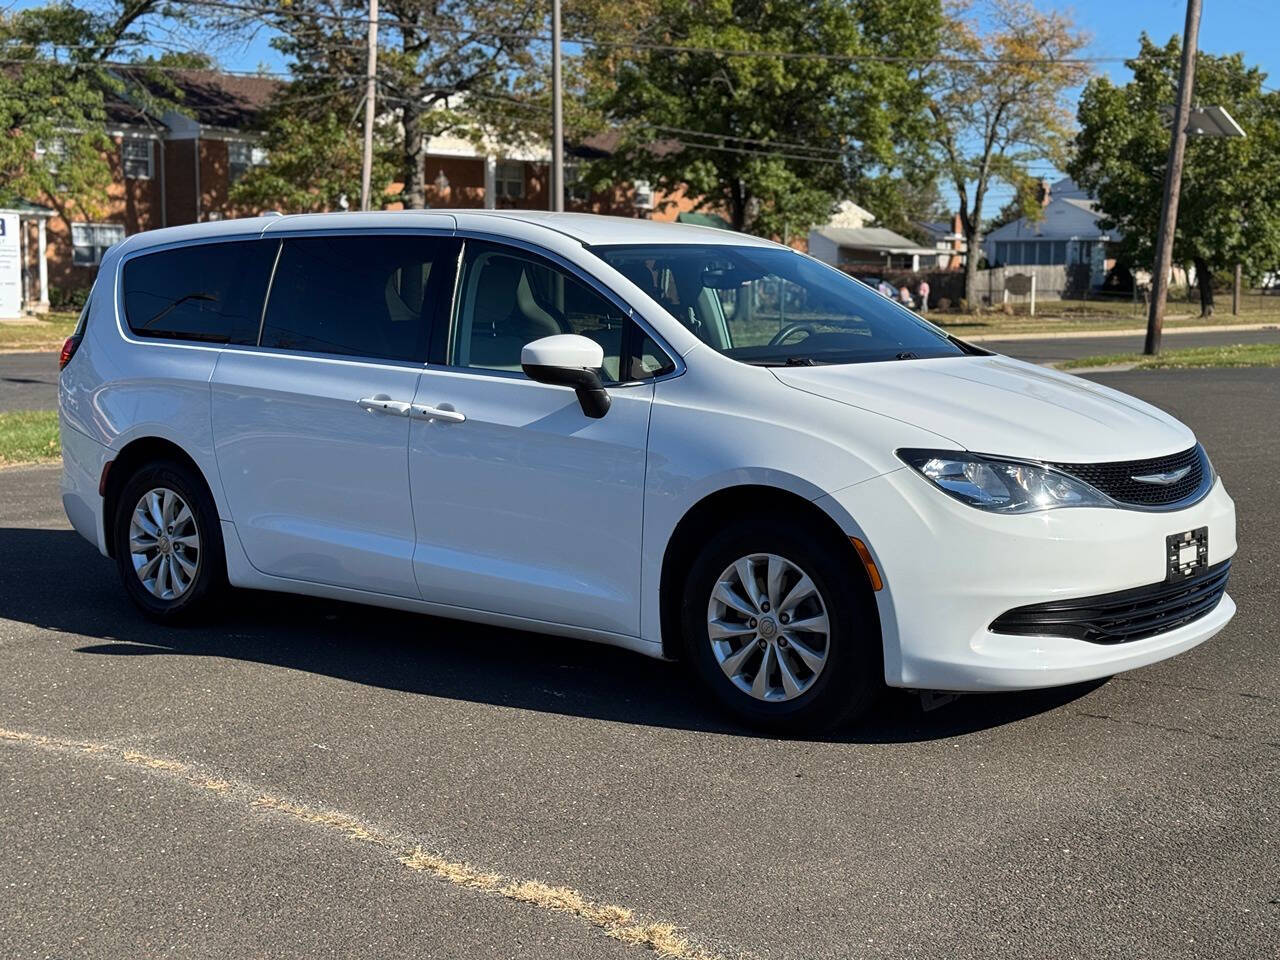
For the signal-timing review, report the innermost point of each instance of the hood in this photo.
(997, 405)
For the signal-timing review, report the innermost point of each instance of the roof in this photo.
(213, 98)
(586, 228)
(879, 239)
(1067, 189)
(25, 208)
(1065, 218)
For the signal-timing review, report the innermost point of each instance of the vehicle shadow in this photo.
(53, 579)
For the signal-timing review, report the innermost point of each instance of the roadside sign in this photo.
(1019, 284)
(10, 267)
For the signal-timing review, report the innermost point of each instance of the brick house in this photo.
(494, 177)
(167, 170)
(179, 167)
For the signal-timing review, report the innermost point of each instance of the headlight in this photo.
(1001, 486)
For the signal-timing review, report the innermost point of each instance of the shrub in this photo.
(68, 299)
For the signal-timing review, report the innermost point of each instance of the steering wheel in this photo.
(808, 328)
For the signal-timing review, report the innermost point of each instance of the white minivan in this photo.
(684, 441)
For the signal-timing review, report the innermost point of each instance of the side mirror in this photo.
(569, 360)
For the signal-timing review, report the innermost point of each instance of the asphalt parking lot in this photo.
(308, 778)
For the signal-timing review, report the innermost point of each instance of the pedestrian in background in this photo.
(923, 292)
(904, 297)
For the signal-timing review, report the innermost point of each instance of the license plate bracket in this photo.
(1187, 553)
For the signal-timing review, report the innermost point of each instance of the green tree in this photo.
(1229, 211)
(462, 67)
(999, 104)
(313, 163)
(52, 99)
(773, 142)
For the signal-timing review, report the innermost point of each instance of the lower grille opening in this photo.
(1122, 616)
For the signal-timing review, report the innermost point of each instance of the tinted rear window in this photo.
(210, 291)
(364, 296)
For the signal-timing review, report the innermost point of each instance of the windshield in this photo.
(775, 307)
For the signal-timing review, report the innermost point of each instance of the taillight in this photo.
(68, 351)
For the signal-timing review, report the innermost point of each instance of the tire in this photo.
(193, 571)
(850, 677)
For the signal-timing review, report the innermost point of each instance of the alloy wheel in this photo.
(164, 543)
(768, 627)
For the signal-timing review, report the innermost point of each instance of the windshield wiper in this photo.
(801, 362)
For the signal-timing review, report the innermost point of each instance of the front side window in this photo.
(90, 241)
(364, 296)
(509, 298)
(773, 306)
(210, 292)
(135, 158)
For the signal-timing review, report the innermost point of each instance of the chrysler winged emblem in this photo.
(1165, 478)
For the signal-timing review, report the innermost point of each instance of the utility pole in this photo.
(557, 113)
(1173, 180)
(370, 95)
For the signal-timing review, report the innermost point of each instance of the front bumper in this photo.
(950, 570)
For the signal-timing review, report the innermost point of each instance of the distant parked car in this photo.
(549, 422)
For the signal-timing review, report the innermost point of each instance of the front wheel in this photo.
(782, 628)
(168, 542)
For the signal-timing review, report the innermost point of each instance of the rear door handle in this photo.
(381, 403)
(447, 414)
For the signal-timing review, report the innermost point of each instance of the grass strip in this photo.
(1234, 355)
(44, 334)
(29, 436)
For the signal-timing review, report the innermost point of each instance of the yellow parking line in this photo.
(615, 921)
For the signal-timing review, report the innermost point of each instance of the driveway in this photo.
(28, 381)
(310, 778)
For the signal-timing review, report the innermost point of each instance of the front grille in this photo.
(1123, 616)
(1116, 479)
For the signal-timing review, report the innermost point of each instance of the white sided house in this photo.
(849, 241)
(1067, 234)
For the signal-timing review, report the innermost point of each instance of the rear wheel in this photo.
(781, 626)
(168, 543)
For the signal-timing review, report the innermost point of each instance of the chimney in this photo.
(1042, 193)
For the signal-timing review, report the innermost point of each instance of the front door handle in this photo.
(445, 413)
(381, 403)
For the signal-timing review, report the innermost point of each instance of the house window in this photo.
(54, 154)
(508, 179)
(89, 241)
(135, 158)
(1002, 253)
(644, 195)
(574, 184)
(242, 156)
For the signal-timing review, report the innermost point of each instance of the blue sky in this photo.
(1226, 26)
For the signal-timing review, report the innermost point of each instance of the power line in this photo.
(449, 27)
(727, 136)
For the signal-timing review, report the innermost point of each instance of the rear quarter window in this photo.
(210, 292)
